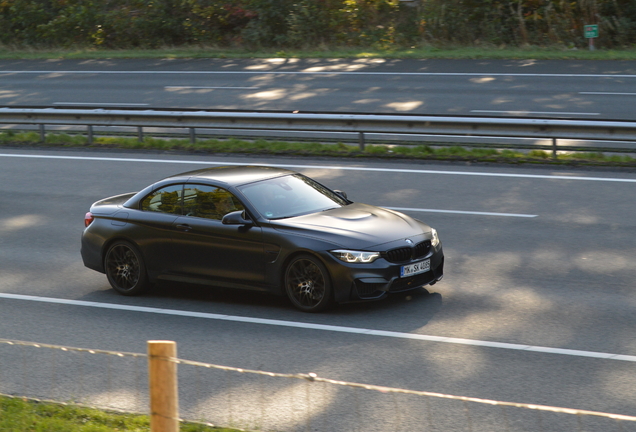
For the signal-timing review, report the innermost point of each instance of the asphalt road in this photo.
(524, 88)
(535, 257)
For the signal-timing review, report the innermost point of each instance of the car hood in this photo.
(356, 226)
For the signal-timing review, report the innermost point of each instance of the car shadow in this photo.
(217, 295)
(409, 310)
(420, 297)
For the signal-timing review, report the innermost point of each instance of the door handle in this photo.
(184, 227)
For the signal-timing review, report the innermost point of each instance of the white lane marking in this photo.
(608, 93)
(323, 327)
(444, 74)
(534, 112)
(344, 168)
(100, 103)
(462, 212)
(208, 87)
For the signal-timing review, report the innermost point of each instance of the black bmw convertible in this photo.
(259, 228)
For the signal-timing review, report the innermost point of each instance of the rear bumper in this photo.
(91, 250)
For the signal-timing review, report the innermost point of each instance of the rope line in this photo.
(312, 377)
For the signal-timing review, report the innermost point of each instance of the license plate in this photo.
(415, 268)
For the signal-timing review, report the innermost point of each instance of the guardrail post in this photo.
(162, 374)
(140, 133)
(90, 134)
(554, 148)
(42, 134)
(361, 140)
(193, 137)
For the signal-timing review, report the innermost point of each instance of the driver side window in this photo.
(209, 202)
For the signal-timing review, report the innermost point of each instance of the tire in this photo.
(125, 269)
(307, 284)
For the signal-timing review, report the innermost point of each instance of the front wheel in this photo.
(307, 284)
(125, 269)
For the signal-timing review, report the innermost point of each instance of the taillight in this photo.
(88, 219)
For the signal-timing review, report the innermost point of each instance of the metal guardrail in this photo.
(361, 124)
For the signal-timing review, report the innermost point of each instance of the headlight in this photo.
(356, 256)
(435, 239)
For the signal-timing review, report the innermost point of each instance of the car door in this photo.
(205, 248)
(151, 226)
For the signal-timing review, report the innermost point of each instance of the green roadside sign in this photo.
(591, 31)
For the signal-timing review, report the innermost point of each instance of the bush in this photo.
(382, 24)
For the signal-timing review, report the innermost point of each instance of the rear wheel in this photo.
(125, 269)
(307, 284)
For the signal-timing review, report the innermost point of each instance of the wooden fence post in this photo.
(164, 396)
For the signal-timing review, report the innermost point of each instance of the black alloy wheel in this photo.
(307, 284)
(125, 269)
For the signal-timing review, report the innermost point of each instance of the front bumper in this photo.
(376, 288)
(356, 282)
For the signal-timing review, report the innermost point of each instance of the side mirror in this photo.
(343, 194)
(236, 218)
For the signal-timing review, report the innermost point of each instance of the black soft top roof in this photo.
(233, 175)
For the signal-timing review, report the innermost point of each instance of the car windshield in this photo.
(289, 196)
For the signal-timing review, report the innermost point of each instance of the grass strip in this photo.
(22, 415)
(441, 152)
(416, 52)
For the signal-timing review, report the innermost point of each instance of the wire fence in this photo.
(265, 401)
